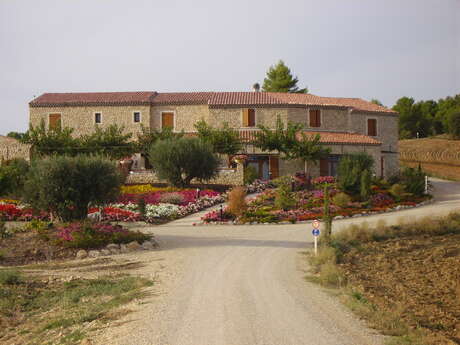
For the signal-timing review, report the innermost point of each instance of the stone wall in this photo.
(185, 116)
(234, 116)
(331, 119)
(231, 177)
(11, 148)
(81, 119)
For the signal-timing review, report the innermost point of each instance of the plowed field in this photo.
(418, 277)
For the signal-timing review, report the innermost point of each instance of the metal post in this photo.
(221, 213)
(316, 245)
(426, 184)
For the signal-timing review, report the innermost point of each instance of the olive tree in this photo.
(66, 186)
(180, 160)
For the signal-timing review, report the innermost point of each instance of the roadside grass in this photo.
(325, 270)
(37, 312)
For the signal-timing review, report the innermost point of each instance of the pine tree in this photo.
(280, 79)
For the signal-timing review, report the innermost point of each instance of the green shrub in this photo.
(250, 175)
(172, 198)
(414, 181)
(397, 191)
(341, 200)
(10, 277)
(350, 169)
(12, 176)
(284, 199)
(180, 160)
(66, 185)
(365, 185)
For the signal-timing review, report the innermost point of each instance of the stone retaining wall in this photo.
(231, 177)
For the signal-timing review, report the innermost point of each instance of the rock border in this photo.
(114, 249)
(357, 215)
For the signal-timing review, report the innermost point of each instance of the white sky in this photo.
(354, 48)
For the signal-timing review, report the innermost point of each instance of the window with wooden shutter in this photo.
(97, 118)
(54, 121)
(249, 118)
(167, 120)
(315, 118)
(372, 127)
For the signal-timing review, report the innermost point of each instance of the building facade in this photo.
(345, 125)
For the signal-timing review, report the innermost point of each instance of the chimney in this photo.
(256, 87)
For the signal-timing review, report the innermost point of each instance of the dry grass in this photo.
(439, 157)
(237, 201)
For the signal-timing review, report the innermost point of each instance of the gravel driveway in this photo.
(244, 285)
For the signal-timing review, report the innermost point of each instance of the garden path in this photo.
(244, 285)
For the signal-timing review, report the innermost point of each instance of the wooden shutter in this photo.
(54, 121)
(372, 127)
(315, 118)
(273, 162)
(245, 117)
(251, 118)
(324, 167)
(167, 120)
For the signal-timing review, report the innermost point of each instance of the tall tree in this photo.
(280, 79)
(376, 101)
(412, 120)
(309, 149)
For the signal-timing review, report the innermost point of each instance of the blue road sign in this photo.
(315, 232)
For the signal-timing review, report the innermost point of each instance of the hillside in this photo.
(438, 157)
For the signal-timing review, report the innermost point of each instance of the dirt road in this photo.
(244, 285)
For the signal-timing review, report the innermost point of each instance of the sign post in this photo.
(315, 232)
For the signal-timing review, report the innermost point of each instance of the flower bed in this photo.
(307, 205)
(17, 212)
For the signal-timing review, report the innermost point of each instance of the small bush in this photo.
(284, 199)
(325, 254)
(397, 191)
(10, 277)
(365, 185)
(237, 201)
(250, 175)
(330, 275)
(12, 176)
(414, 180)
(341, 200)
(172, 198)
(350, 169)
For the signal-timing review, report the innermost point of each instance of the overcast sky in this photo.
(353, 48)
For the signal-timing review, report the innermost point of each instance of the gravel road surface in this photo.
(244, 285)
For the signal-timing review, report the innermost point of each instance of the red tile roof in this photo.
(325, 137)
(213, 99)
(93, 98)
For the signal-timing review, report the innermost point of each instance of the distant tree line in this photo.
(427, 118)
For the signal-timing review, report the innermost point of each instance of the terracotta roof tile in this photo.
(214, 99)
(325, 137)
(93, 98)
(182, 98)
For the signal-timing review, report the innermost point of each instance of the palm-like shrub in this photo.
(66, 185)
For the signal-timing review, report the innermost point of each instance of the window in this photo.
(315, 118)
(249, 118)
(54, 121)
(137, 116)
(167, 120)
(372, 127)
(97, 118)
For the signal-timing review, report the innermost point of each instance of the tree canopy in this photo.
(224, 140)
(280, 79)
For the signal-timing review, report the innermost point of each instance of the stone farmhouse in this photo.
(345, 125)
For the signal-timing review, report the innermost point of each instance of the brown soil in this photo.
(28, 248)
(418, 277)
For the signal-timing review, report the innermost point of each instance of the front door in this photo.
(274, 167)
